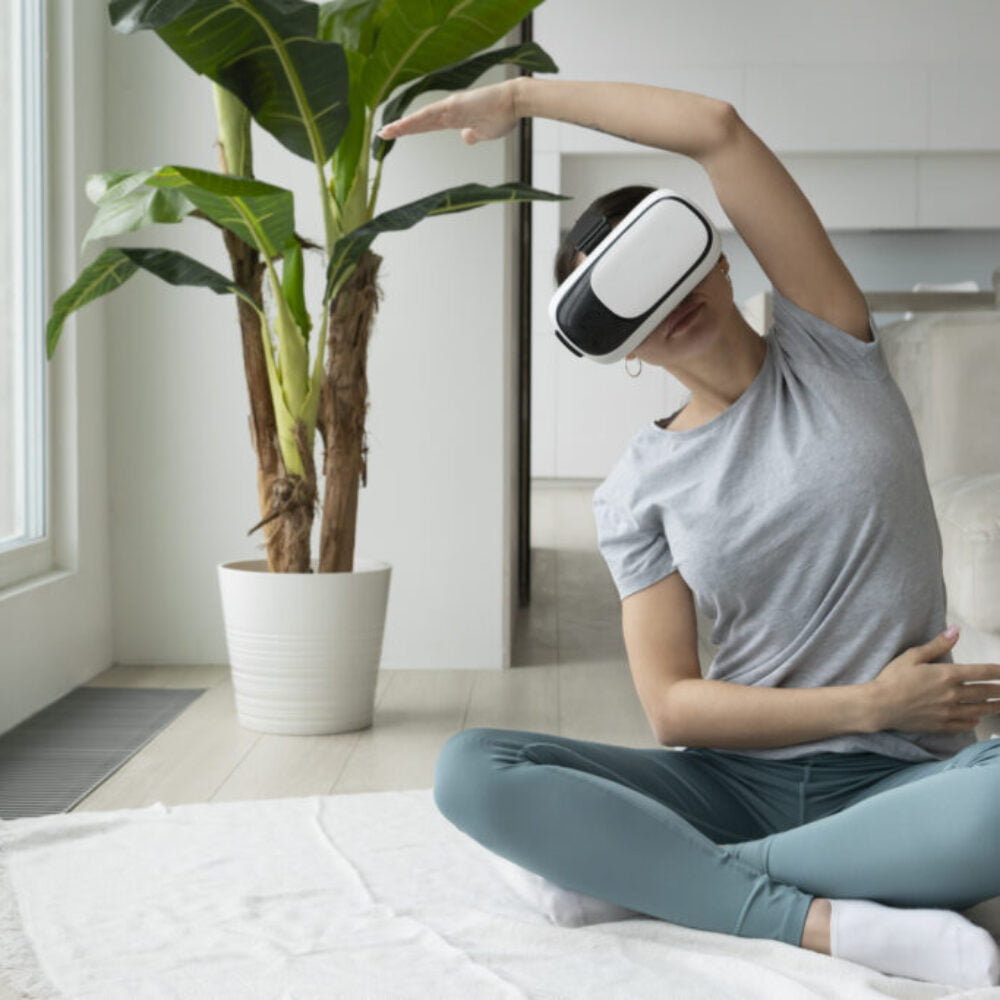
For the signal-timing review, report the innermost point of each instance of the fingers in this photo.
(939, 645)
(985, 691)
(986, 697)
(929, 652)
(984, 672)
(967, 719)
(961, 727)
(969, 715)
(428, 119)
(409, 125)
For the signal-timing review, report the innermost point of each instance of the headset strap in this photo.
(589, 230)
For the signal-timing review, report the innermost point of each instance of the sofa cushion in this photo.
(946, 366)
(968, 512)
(904, 345)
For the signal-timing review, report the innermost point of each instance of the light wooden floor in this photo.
(571, 678)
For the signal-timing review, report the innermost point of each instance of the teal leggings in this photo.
(726, 842)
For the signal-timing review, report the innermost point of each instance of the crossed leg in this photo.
(925, 836)
(637, 827)
(722, 842)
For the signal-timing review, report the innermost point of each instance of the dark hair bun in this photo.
(613, 206)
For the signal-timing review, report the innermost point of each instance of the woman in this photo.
(830, 793)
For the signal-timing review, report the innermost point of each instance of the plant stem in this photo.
(375, 186)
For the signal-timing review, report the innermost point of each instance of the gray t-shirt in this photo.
(800, 518)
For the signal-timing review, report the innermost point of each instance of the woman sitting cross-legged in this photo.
(829, 791)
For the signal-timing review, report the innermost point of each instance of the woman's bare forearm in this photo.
(674, 120)
(706, 713)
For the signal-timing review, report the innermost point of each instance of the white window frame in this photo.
(21, 560)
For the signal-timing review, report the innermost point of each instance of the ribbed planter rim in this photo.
(361, 565)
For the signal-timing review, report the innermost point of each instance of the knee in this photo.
(461, 774)
(980, 812)
(983, 817)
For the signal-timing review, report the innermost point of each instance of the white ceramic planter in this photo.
(304, 648)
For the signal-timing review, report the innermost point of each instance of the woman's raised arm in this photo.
(766, 206)
(652, 116)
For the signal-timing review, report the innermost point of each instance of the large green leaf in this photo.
(353, 23)
(125, 204)
(115, 184)
(264, 51)
(306, 118)
(529, 56)
(115, 266)
(348, 249)
(420, 36)
(262, 215)
(216, 42)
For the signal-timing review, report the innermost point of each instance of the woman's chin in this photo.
(662, 346)
(689, 321)
(694, 331)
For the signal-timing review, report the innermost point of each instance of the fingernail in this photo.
(951, 632)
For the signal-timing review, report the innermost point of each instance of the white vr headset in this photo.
(635, 274)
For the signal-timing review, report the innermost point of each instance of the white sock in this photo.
(937, 946)
(561, 906)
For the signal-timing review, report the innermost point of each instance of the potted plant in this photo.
(304, 634)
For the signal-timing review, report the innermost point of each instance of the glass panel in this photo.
(22, 437)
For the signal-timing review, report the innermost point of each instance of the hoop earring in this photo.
(634, 374)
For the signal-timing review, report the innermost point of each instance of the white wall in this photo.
(55, 632)
(438, 503)
(883, 111)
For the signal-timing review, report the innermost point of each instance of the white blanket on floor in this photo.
(372, 896)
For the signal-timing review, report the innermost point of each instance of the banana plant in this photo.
(316, 77)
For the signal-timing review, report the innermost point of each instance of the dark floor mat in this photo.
(53, 760)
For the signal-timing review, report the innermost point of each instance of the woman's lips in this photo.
(681, 315)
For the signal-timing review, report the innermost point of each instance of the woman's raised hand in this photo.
(482, 113)
(915, 693)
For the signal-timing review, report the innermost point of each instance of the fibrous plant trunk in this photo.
(287, 502)
(343, 407)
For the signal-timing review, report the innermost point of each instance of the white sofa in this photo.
(947, 366)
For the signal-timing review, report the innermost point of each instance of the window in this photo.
(23, 546)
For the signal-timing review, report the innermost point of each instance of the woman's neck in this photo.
(718, 376)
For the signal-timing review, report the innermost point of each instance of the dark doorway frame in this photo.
(524, 353)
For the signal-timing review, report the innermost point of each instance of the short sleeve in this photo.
(637, 555)
(807, 339)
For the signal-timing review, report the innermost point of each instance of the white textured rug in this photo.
(352, 897)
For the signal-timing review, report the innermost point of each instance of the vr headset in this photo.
(635, 274)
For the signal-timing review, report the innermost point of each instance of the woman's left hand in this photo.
(482, 113)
